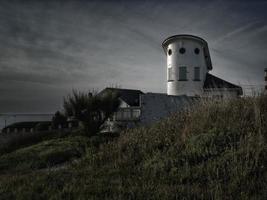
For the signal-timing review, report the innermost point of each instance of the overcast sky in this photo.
(48, 48)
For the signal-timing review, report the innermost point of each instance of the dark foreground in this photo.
(215, 151)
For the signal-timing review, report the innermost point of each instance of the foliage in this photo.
(58, 119)
(91, 109)
(216, 150)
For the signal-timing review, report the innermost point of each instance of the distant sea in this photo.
(7, 119)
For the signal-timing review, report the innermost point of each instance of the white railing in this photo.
(127, 114)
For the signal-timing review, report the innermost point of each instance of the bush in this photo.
(91, 109)
(59, 119)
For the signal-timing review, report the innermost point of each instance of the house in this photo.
(188, 80)
(28, 126)
(138, 108)
(39, 126)
(188, 67)
(219, 88)
(129, 111)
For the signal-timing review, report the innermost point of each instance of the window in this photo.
(127, 114)
(197, 74)
(169, 52)
(170, 74)
(182, 50)
(182, 74)
(197, 50)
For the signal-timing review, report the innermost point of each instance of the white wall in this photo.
(123, 104)
(190, 60)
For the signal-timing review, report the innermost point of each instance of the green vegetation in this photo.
(13, 141)
(58, 119)
(44, 155)
(216, 150)
(91, 109)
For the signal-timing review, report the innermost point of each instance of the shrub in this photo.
(59, 119)
(91, 109)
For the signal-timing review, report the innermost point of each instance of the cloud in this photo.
(60, 45)
(236, 32)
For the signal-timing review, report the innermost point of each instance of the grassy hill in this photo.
(216, 150)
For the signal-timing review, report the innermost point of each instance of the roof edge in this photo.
(173, 37)
(168, 40)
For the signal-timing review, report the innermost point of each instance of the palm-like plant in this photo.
(91, 109)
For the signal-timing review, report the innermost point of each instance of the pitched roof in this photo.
(131, 97)
(213, 82)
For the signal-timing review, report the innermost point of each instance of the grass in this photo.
(12, 141)
(43, 155)
(216, 150)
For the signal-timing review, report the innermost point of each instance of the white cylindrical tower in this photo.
(188, 61)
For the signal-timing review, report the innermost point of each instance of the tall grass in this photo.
(47, 154)
(215, 150)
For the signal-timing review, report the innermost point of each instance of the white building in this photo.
(138, 108)
(188, 80)
(188, 64)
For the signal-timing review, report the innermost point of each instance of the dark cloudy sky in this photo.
(48, 48)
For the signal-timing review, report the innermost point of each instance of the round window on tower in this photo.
(197, 50)
(182, 50)
(169, 52)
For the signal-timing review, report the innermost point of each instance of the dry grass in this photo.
(12, 141)
(216, 150)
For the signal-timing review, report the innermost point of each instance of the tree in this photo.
(91, 109)
(58, 119)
